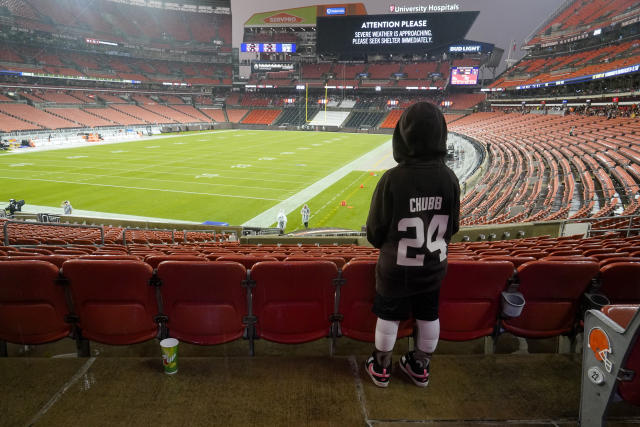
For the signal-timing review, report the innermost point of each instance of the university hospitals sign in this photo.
(429, 8)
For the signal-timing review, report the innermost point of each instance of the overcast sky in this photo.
(499, 21)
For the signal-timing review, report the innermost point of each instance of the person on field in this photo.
(66, 206)
(281, 220)
(415, 209)
(305, 212)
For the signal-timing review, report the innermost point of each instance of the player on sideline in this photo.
(305, 212)
(414, 211)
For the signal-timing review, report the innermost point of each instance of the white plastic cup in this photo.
(169, 348)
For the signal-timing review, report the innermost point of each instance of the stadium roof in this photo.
(188, 5)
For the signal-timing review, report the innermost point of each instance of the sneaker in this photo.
(416, 370)
(379, 375)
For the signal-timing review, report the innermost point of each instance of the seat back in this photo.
(247, 260)
(470, 298)
(517, 261)
(553, 290)
(57, 260)
(339, 262)
(293, 301)
(32, 305)
(113, 299)
(204, 301)
(154, 260)
(620, 282)
(356, 300)
(108, 257)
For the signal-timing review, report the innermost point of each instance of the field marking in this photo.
(102, 143)
(83, 370)
(105, 216)
(163, 190)
(266, 218)
(187, 174)
(335, 208)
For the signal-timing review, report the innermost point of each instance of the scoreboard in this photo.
(392, 33)
(268, 47)
(464, 75)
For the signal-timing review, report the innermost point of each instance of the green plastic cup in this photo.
(169, 348)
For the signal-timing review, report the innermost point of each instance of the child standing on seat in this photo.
(414, 211)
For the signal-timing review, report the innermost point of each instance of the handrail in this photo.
(5, 228)
(590, 220)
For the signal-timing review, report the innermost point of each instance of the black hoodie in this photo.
(415, 208)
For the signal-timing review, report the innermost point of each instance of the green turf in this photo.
(228, 176)
(327, 210)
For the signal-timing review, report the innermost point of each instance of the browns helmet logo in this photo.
(601, 346)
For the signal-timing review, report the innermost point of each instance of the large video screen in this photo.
(392, 33)
(464, 75)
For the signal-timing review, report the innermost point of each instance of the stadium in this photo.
(148, 157)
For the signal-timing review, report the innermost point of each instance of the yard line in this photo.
(266, 218)
(82, 176)
(163, 190)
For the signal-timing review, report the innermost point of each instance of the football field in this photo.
(228, 176)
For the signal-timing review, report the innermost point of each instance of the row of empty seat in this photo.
(545, 170)
(110, 301)
(119, 21)
(566, 66)
(584, 16)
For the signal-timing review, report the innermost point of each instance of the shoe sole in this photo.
(373, 378)
(411, 377)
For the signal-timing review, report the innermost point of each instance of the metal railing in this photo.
(632, 224)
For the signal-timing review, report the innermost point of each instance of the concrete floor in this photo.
(290, 385)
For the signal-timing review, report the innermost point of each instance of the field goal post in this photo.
(306, 103)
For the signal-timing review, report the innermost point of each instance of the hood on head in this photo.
(420, 134)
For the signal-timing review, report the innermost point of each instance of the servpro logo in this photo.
(283, 18)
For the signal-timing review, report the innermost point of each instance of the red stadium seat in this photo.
(552, 290)
(293, 301)
(106, 257)
(620, 282)
(204, 301)
(113, 300)
(32, 304)
(247, 260)
(607, 261)
(57, 260)
(517, 261)
(470, 298)
(356, 301)
(154, 260)
(338, 261)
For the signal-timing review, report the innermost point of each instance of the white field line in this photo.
(266, 218)
(105, 216)
(192, 171)
(91, 144)
(164, 190)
